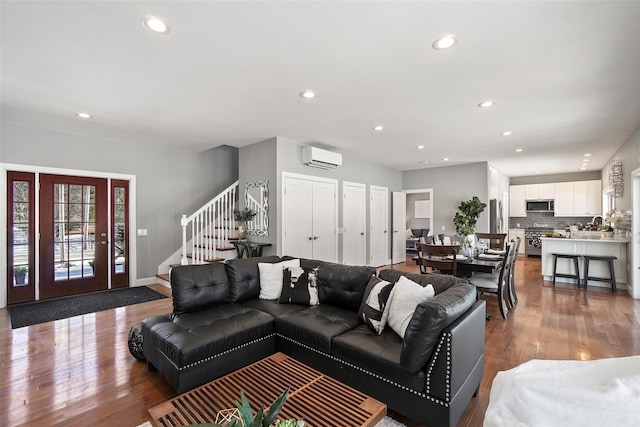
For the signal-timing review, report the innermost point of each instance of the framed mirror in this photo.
(256, 197)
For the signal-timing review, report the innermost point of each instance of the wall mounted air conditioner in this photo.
(319, 158)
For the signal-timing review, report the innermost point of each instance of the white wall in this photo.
(452, 185)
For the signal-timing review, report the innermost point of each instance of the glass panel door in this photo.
(20, 237)
(73, 235)
(120, 233)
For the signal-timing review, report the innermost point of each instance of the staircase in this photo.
(208, 233)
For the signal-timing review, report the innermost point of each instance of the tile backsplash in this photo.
(546, 218)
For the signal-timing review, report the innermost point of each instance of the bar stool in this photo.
(576, 276)
(605, 258)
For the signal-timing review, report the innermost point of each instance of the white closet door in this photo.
(297, 218)
(379, 225)
(398, 242)
(325, 240)
(354, 222)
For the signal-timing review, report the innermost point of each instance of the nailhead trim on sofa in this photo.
(445, 337)
(433, 399)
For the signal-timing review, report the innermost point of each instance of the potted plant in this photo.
(466, 219)
(243, 217)
(20, 274)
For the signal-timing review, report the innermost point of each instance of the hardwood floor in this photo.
(78, 371)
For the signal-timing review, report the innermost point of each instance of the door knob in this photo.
(103, 234)
(315, 237)
(362, 234)
(310, 238)
(104, 242)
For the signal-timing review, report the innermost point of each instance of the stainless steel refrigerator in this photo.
(496, 220)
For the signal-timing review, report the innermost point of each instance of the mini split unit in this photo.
(319, 158)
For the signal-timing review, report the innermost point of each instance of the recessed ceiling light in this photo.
(518, 150)
(587, 154)
(583, 168)
(506, 133)
(537, 171)
(445, 42)
(156, 25)
(84, 115)
(445, 159)
(584, 165)
(308, 94)
(424, 162)
(378, 128)
(586, 160)
(486, 104)
(420, 147)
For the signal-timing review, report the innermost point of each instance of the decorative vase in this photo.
(242, 232)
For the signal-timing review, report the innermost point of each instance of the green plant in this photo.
(467, 216)
(260, 419)
(245, 215)
(607, 227)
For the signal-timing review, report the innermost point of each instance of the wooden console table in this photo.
(317, 399)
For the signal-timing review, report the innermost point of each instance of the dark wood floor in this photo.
(78, 371)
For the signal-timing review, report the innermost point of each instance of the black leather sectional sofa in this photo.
(219, 325)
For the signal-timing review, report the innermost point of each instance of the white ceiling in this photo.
(565, 77)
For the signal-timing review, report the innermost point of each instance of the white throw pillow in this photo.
(407, 294)
(271, 277)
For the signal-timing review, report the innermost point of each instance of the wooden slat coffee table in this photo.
(317, 399)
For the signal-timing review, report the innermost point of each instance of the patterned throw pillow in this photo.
(374, 309)
(299, 286)
(135, 342)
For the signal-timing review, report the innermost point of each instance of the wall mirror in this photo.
(256, 197)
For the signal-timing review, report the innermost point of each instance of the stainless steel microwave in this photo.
(540, 206)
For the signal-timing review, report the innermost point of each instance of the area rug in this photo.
(385, 422)
(47, 311)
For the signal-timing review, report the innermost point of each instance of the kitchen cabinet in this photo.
(515, 233)
(580, 198)
(539, 191)
(517, 201)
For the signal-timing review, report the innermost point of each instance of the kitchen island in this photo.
(603, 246)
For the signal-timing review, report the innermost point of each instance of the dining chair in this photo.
(497, 283)
(440, 240)
(440, 258)
(513, 296)
(495, 240)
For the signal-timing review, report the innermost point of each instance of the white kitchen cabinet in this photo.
(539, 191)
(515, 233)
(580, 198)
(517, 201)
(588, 198)
(563, 205)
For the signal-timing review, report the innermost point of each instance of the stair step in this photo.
(164, 277)
(231, 239)
(208, 259)
(219, 248)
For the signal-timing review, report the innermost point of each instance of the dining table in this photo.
(466, 267)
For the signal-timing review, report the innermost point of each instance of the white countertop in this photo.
(571, 239)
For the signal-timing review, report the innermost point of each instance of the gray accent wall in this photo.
(451, 185)
(170, 183)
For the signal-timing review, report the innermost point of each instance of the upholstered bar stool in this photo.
(604, 258)
(575, 276)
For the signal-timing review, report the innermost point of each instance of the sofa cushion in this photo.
(440, 282)
(428, 321)
(271, 277)
(196, 336)
(406, 295)
(273, 307)
(195, 287)
(316, 326)
(343, 285)
(374, 309)
(244, 277)
(375, 353)
(299, 286)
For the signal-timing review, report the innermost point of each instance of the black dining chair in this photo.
(495, 240)
(497, 283)
(440, 258)
(513, 296)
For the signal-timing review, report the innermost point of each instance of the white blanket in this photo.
(565, 393)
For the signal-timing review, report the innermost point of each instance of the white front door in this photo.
(379, 226)
(354, 223)
(398, 242)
